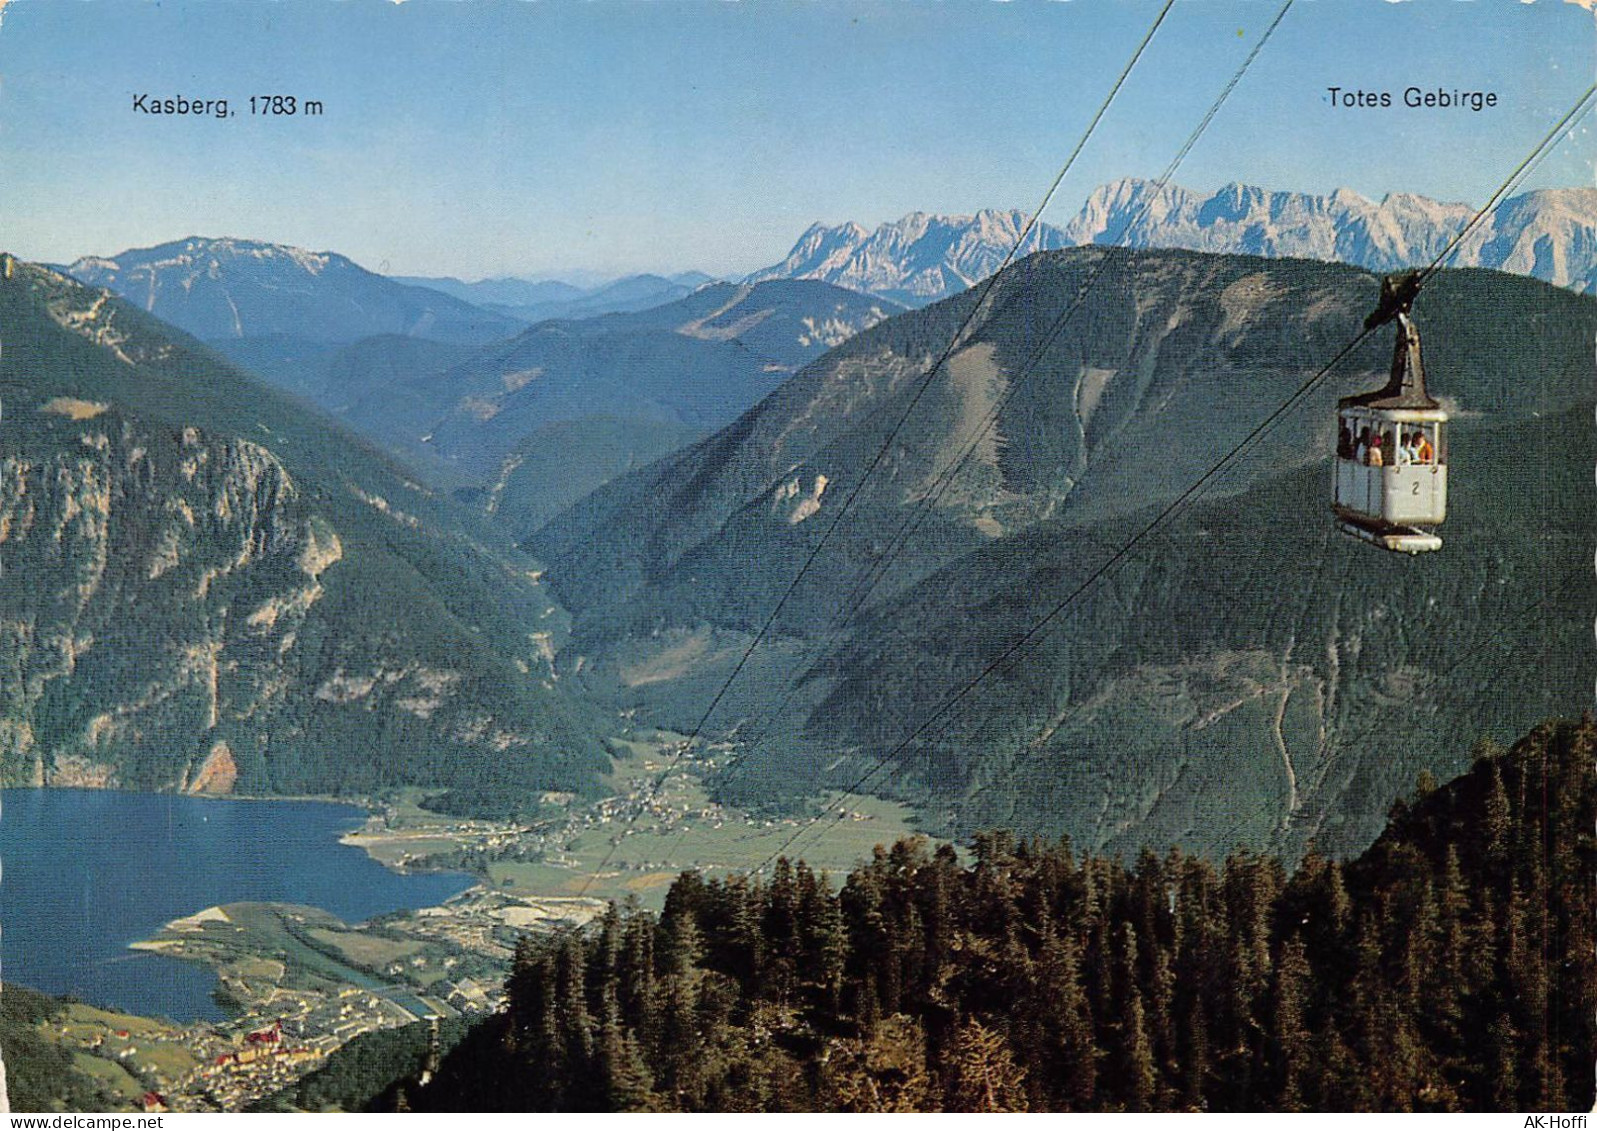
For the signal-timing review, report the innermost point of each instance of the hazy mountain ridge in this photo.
(228, 289)
(1549, 234)
(503, 291)
(647, 363)
(696, 362)
(542, 300)
(227, 592)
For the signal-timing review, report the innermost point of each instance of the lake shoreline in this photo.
(370, 833)
(94, 877)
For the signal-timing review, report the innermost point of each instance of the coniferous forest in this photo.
(1449, 967)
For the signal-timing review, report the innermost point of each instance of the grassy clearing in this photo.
(171, 1061)
(848, 832)
(640, 856)
(368, 951)
(109, 1075)
(158, 1047)
(82, 1020)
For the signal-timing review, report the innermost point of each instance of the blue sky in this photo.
(476, 138)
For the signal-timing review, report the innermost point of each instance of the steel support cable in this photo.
(1581, 107)
(1038, 627)
(887, 443)
(873, 575)
(1370, 732)
(1523, 169)
(1178, 505)
(1376, 730)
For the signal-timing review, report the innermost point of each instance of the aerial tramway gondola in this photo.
(1390, 486)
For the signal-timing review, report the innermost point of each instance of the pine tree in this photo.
(1067, 1043)
(1371, 1015)
(1497, 826)
(885, 1072)
(1446, 986)
(982, 1074)
(572, 1064)
(823, 942)
(1289, 1035)
(637, 995)
(1139, 1082)
(1194, 1065)
(628, 1083)
(1503, 1064)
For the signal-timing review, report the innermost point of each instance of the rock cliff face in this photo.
(915, 260)
(206, 586)
(169, 571)
(1550, 234)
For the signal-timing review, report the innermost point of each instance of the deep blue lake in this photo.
(85, 872)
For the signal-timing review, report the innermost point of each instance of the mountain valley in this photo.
(1215, 686)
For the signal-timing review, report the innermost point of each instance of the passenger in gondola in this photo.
(1344, 442)
(1374, 458)
(1362, 452)
(1423, 451)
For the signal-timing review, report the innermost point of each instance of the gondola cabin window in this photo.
(1391, 466)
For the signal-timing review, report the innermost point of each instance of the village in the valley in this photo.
(299, 983)
(304, 984)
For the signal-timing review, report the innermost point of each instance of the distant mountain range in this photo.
(538, 301)
(1549, 234)
(1247, 676)
(916, 260)
(522, 421)
(549, 415)
(234, 289)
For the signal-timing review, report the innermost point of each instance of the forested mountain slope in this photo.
(1241, 656)
(208, 586)
(698, 361)
(1449, 968)
(1250, 677)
